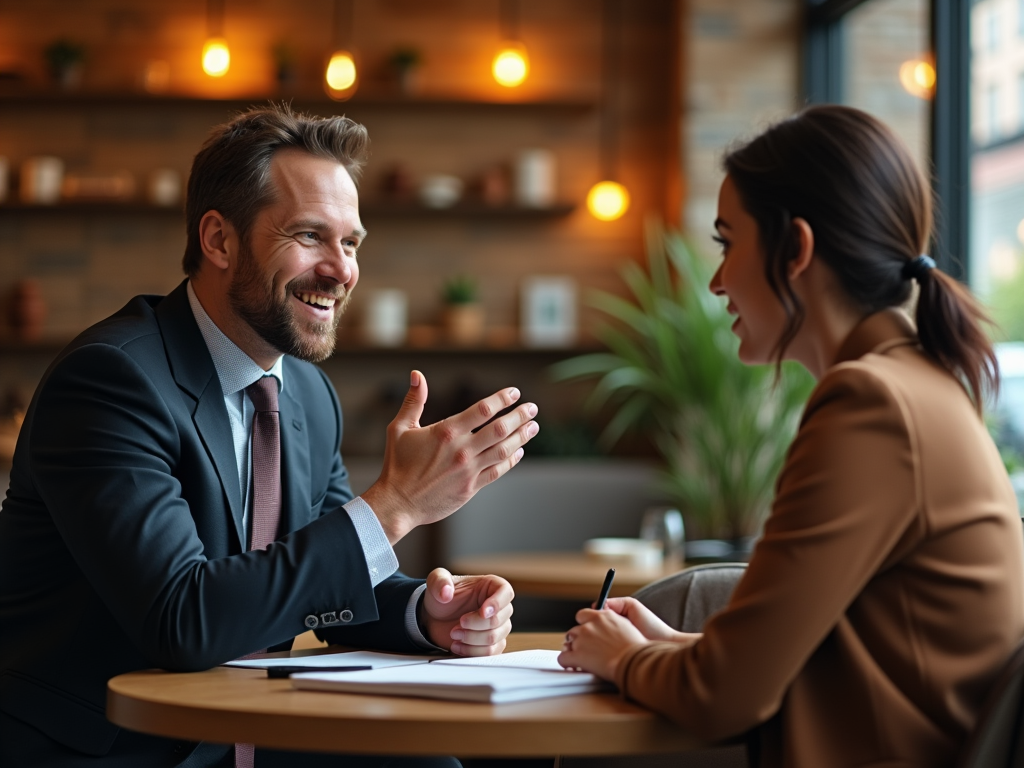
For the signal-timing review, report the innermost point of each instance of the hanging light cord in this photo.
(509, 11)
(215, 18)
(612, 59)
(343, 19)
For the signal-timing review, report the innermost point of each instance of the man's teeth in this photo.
(317, 301)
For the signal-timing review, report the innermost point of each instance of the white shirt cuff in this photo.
(412, 627)
(381, 561)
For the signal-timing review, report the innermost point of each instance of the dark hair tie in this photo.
(917, 269)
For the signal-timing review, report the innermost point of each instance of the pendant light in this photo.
(216, 55)
(511, 64)
(608, 199)
(341, 78)
(917, 76)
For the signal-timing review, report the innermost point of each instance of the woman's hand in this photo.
(599, 642)
(644, 619)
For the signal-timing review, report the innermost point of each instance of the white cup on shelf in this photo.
(385, 321)
(41, 179)
(535, 178)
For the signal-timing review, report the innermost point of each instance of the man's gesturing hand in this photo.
(471, 615)
(429, 472)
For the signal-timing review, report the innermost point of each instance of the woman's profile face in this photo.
(760, 317)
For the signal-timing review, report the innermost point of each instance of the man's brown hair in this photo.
(231, 173)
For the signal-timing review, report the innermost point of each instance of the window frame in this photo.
(823, 76)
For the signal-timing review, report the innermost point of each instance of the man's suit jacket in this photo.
(888, 587)
(121, 535)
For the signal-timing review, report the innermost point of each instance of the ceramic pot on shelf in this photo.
(464, 324)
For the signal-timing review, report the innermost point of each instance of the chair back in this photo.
(685, 600)
(998, 737)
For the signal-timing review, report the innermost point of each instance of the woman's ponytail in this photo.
(950, 327)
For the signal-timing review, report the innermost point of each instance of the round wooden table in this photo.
(228, 705)
(569, 575)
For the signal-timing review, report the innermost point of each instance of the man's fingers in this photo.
(475, 621)
(412, 406)
(490, 636)
(478, 414)
(441, 585)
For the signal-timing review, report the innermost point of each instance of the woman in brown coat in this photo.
(888, 587)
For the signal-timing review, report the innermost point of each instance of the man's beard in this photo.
(255, 298)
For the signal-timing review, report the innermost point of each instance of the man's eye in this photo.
(308, 235)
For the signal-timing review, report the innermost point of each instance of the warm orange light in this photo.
(511, 64)
(607, 200)
(341, 76)
(917, 77)
(216, 57)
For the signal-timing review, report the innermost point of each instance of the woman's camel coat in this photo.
(886, 592)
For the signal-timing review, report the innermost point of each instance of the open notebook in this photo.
(517, 676)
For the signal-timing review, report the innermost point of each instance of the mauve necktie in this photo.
(266, 488)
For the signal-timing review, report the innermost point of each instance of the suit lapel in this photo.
(193, 370)
(294, 458)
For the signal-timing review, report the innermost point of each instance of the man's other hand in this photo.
(429, 472)
(470, 615)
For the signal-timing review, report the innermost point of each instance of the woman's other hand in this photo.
(644, 619)
(599, 642)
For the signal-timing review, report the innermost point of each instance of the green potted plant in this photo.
(405, 62)
(64, 61)
(722, 428)
(462, 316)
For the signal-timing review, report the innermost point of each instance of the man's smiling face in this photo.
(297, 265)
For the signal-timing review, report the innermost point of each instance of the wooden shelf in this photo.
(93, 206)
(469, 208)
(17, 96)
(379, 208)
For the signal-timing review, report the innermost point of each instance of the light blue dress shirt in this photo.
(236, 371)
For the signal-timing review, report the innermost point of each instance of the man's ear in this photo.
(218, 240)
(805, 248)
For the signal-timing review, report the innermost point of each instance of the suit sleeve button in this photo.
(346, 616)
(311, 621)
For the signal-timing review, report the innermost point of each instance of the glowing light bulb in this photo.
(511, 65)
(917, 76)
(607, 200)
(340, 77)
(216, 57)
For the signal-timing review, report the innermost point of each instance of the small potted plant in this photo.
(64, 61)
(285, 64)
(405, 62)
(462, 317)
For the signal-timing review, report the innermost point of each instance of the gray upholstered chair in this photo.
(998, 738)
(684, 601)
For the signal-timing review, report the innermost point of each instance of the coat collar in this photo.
(877, 333)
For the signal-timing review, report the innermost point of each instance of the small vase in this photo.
(27, 310)
(464, 324)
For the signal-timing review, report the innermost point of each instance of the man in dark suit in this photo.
(135, 531)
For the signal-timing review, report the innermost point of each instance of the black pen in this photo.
(278, 672)
(606, 588)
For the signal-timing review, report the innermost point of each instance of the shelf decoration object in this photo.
(216, 55)
(463, 316)
(341, 78)
(535, 178)
(548, 312)
(405, 62)
(385, 322)
(41, 180)
(64, 60)
(511, 64)
(608, 200)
